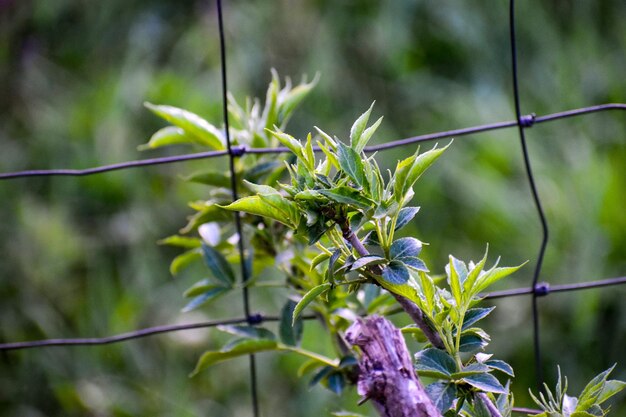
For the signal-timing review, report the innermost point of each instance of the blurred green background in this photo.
(78, 256)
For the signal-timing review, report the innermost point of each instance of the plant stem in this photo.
(409, 306)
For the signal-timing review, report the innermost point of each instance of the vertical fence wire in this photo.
(237, 215)
(523, 123)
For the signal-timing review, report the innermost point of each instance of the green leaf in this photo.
(349, 196)
(288, 209)
(203, 132)
(485, 382)
(216, 179)
(592, 390)
(500, 366)
(255, 205)
(181, 241)
(246, 331)
(454, 281)
(368, 133)
(610, 388)
(492, 276)
(405, 247)
(435, 363)
(351, 163)
(200, 300)
(184, 260)
(289, 141)
(290, 331)
(367, 261)
(474, 315)
(400, 177)
(243, 347)
(396, 273)
(170, 135)
(442, 395)
(473, 275)
(405, 215)
(200, 287)
(356, 131)
(420, 164)
(218, 265)
(308, 298)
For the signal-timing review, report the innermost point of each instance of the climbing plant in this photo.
(326, 220)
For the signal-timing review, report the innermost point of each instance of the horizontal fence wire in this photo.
(529, 120)
(543, 289)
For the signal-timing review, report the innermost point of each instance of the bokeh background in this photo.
(78, 256)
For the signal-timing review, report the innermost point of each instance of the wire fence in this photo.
(537, 289)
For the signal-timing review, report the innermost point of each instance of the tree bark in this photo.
(386, 373)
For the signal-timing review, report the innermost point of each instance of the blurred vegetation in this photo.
(79, 256)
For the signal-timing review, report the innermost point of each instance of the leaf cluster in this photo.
(587, 404)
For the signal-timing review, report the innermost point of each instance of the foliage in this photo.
(587, 404)
(342, 206)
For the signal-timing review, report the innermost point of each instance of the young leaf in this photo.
(485, 382)
(492, 276)
(435, 363)
(218, 265)
(396, 273)
(349, 196)
(367, 134)
(308, 298)
(421, 164)
(293, 98)
(454, 281)
(288, 209)
(290, 331)
(473, 274)
(203, 132)
(255, 205)
(592, 390)
(405, 247)
(351, 163)
(289, 141)
(170, 135)
(357, 129)
(243, 347)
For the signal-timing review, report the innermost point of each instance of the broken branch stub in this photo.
(386, 374)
